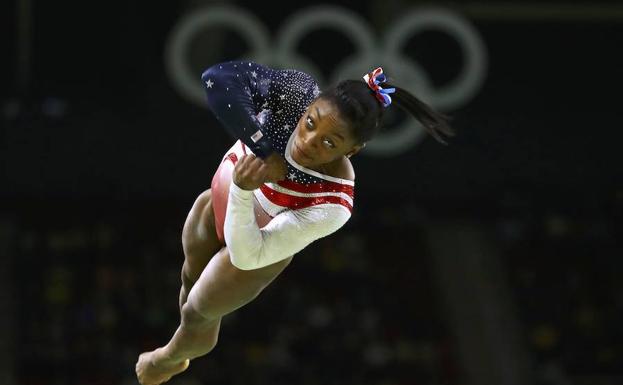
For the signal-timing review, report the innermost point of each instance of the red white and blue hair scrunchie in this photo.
(373, 79)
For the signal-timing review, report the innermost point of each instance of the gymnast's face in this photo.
(321, 136)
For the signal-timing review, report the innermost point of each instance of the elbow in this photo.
(242, 262)
(209, 73)
(242, 255)
(206, 74)
(221, 71)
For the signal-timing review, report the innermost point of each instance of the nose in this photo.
(309, 140)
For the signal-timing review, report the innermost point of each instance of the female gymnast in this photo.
(293, 183)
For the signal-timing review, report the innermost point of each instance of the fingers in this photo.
(249, 161)
(251, 165)
(250, 172)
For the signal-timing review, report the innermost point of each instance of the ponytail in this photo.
(434, 122)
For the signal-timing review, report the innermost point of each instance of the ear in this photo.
(355, 150)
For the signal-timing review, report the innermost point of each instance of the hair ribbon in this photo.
(373, 79)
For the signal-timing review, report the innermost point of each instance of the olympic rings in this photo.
(372, 50)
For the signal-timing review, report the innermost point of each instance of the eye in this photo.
(329, 143)
(310, 122)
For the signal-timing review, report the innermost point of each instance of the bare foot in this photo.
(153, 369)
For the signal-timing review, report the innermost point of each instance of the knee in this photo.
(204, 198)
(193, 317)
(199, 327)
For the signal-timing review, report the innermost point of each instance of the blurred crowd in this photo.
(565, 272)
(94, 287)
(93, 290)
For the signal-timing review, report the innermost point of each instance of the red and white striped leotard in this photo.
(302, 213)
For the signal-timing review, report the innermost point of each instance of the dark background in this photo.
(102, 159)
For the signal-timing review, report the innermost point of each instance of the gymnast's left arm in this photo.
(285, 235)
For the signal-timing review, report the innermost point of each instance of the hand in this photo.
(251, 172)
(153, 368)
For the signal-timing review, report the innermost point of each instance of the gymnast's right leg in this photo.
(212, 288)
(221, 289)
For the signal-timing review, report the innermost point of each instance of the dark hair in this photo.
(358, 104)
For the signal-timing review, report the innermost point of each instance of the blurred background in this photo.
(494, 260)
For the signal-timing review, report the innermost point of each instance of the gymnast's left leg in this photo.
(199, 240)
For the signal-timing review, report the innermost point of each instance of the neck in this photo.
(327, 168)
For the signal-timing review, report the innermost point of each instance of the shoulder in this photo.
(343, 169)
(298, 81)
(297, 75)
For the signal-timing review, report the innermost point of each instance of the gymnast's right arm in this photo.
(251, 247)
(236, 95)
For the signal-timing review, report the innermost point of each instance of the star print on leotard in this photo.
(247, 97)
